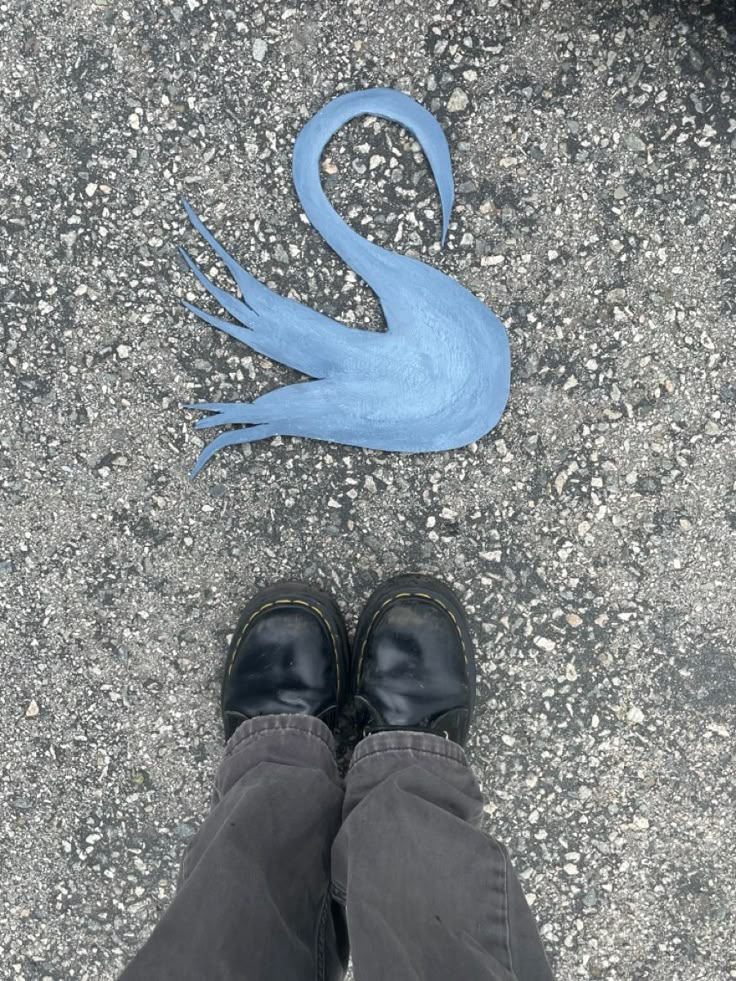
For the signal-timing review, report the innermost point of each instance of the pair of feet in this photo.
(411, 665)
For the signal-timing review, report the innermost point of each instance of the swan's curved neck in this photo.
(364, 257)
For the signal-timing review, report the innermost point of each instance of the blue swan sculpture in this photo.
(437, 379)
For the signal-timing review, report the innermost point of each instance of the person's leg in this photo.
(253, 900)
(428, 895)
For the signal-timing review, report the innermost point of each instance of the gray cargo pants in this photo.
(292, 861)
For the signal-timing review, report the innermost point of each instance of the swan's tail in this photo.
(274, 325)
(311, 141)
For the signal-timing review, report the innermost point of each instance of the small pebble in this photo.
(457, 101)
(544, 643)
(635, 143)
(635, 715)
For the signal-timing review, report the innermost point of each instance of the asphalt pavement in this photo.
(591, 534)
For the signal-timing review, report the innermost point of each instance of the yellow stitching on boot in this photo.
(288, 602)
(392, 599)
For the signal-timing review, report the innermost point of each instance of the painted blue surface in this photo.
(437, 379)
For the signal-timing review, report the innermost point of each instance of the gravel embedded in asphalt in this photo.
(591, 535)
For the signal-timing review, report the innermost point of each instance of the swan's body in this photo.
(437, 379)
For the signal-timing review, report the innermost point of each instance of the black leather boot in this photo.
(413, 661)
(289, 654)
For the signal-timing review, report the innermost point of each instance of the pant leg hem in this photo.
(420, 743)
(307, 725)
